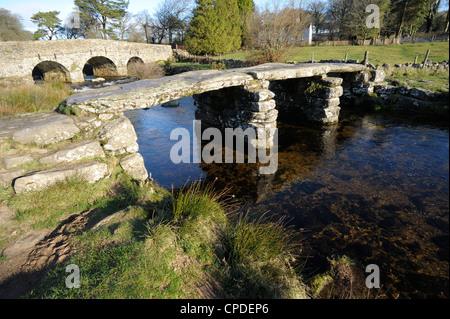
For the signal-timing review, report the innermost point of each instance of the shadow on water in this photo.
(373, 187)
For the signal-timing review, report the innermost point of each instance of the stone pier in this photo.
(323, 98)
(249, 106)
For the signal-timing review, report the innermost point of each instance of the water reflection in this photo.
(373, 187)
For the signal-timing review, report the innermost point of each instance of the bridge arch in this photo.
(50, 71)
(133, 64)
(100, 66)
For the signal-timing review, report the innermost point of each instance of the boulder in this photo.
(378, 75)
(119, 137)
(134, 165)
(74, 152)
(91, 172)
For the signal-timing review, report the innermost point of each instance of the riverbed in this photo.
(374, 188)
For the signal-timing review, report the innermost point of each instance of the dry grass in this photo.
(32, 97)
(146, 71)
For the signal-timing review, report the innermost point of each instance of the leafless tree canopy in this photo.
(277, 27)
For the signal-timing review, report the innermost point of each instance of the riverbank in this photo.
(146, 242)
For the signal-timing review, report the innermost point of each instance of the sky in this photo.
(26, 8)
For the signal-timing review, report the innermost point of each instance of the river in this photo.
(374, 188)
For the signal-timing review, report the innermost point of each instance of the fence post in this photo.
(415, 59)
(366, 58)
(312, 58)
(426, 57)
(346, 57)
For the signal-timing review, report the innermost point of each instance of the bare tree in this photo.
(338, 15)
(318, 10)
(144, 19)
(275, 29)
(124, 25)
(170, 19)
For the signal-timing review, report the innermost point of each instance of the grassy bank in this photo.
(430, 79)
(380, 54)
(146, 242)
(31, 97)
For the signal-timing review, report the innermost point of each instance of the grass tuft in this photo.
(32, 97)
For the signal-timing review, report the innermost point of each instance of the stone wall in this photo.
(18, 59)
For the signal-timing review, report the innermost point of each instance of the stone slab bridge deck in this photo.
(243, 97)
(62, 146)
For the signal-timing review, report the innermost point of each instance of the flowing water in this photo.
(374, 187)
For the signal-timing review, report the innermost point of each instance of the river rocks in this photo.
(91, 172)
(173, 103)
(74, 152)
(45, 129)
(134, 165)
(118, 137)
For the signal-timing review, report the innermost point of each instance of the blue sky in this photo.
(26, 8)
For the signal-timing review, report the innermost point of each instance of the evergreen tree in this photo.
(407, 15)
(246, 8)
(215, 27)
(102, 13)
(48, 23)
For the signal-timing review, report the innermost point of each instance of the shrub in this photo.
(218, 66)
(145, 71)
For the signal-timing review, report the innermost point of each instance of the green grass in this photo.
(170, 245)
(430, 79)
(391, 54)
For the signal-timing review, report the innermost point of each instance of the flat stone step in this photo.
(14, 161)
(91, 172)
(74, 152)
(42, 129)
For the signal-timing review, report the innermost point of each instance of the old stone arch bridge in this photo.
(68, 60)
